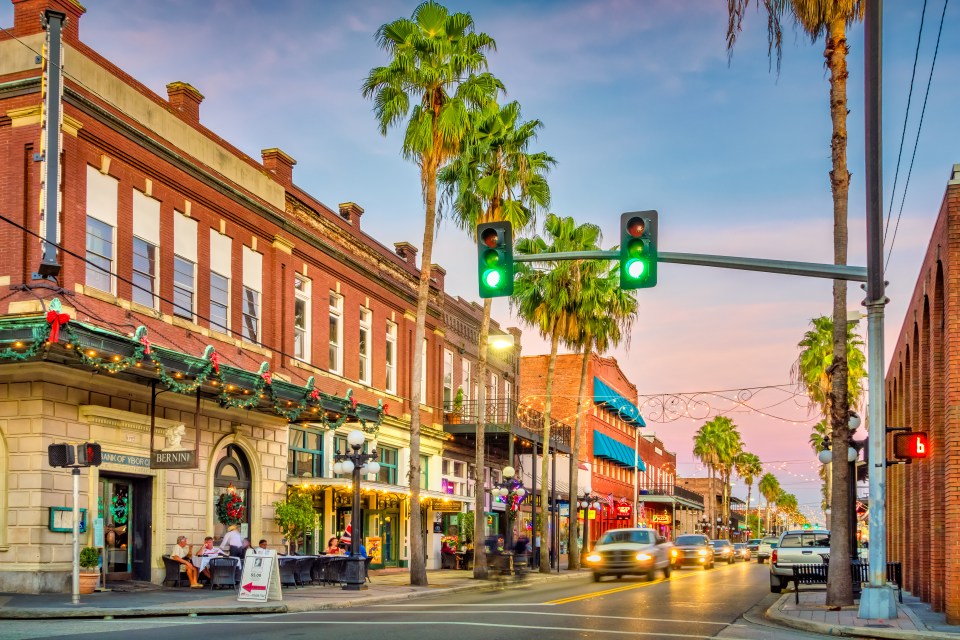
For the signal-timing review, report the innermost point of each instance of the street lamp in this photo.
(586, 502)
(853, 452)
(358, 464)
(509, 488)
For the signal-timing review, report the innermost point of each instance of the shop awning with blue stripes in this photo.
(615, 451)
(616, 404)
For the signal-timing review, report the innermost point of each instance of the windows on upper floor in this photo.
(252, 288)
(390, 358)
(364, 347)
(301, 318)
(335, 354)
(221, 265)
(305, 459)
(101, 228)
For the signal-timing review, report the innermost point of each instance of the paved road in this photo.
(726, 602)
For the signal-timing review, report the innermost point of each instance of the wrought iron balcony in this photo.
(673, 491)
(502, 416)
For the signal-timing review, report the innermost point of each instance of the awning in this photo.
(343, 484)
(616, 404)
(615, 451)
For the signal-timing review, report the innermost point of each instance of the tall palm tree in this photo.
(729, 446)
(769, 487)
(705, 448)
(828, 19)
(436, 74)
(543, 300)
(607, 313)
(495, 178)
(749, 467)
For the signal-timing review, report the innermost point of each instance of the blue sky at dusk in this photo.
(642, 111)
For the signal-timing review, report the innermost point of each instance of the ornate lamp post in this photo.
(586, 502)
(358, 464)
(853, 452)
(509, 488)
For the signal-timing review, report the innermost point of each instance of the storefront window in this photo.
(424, 472)
(388, 465)
(306, 454)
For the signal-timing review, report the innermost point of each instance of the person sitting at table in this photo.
(261, 547)
(448, 556)
(244, 546)
(361, 553)
(209, 550)
(333, 546)
(231, 538)
(181, 553)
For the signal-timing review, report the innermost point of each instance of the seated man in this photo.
(261, 547)
(181, 553)
(210, 550)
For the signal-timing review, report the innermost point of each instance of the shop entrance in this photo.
(232, 475)
(125, 504)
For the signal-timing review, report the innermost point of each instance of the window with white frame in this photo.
(453, 477)
(146, 239)
(335, 353)
(184, 265)
(507, 393)
(466, 372)
(301, 318)
(252, 288)
(363, 346)
(101, 229)
(221, 263)
(492, 404)
(447, 379)
(391, 358)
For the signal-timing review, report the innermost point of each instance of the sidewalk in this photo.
(913, 620)
(159, 601)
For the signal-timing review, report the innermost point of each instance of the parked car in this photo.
(622, 552)
(801, 546)
(742, 552)
(767, 545)
(692, 549)
(754, 544)
(723, 550)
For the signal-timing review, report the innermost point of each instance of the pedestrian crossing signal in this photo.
(911, 445)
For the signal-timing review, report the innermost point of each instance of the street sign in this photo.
(260, 580)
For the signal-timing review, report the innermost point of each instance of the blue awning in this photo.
(606, 447)
(616, 404)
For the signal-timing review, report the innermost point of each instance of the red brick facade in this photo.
(923, 394)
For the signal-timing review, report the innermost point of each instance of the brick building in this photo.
(278, 324)
(923, 394)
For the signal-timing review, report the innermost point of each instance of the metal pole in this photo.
(49, 267)
(877, 600)
(75, 597)
(636, 473)
(535, 556)
(554, 511)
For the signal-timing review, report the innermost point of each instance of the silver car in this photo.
(622, 552)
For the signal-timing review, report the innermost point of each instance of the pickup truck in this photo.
(802, 546)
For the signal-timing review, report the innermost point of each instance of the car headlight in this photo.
(725, 551)
(593, 557)
(702, 552)
(674, 553)
(643, 557)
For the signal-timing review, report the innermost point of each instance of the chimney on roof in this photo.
(185, 100)
(28, 17)
(351, 212)
(406, 251)
(437, 276)
(279, 164)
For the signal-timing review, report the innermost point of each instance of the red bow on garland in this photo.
(353, 403)
(146, 345)
(385, 407)
(215, 361)
(56, 320)
(315, 394)
(267, 377)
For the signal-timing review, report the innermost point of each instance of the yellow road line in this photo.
(626, 587)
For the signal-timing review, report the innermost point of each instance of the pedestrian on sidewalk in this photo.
(181, 553)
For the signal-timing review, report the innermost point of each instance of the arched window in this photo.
(233, 470)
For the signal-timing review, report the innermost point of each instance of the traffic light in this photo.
(638, 250)
(61, 455)
(495, 259)
(88, 454)
(911, 445)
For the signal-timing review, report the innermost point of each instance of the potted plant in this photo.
(89, 565)
(457, 414)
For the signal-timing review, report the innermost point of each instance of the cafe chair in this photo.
(222, 573)
(174, 572)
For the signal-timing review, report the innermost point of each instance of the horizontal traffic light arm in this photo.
(809, 269)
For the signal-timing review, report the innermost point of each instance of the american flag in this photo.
(610, 500)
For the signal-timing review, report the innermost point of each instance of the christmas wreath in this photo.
(230, 508)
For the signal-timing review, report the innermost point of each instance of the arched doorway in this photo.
(233, 471)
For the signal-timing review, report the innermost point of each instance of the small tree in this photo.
(294, 516)
(89, 558)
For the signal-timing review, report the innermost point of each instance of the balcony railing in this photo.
(505, 414)
(672, 490)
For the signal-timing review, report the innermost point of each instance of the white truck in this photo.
(801, 546)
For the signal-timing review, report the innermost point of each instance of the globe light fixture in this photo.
(357, 464)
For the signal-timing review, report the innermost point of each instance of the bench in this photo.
(808, 574)
(861, 573)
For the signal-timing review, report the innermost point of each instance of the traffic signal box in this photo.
(86, 454)
(911, 445)
(638, 250)
(495, 259)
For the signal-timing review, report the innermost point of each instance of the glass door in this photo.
(116, 500)
(389, 538)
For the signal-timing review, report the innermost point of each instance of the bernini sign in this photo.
(174, 455)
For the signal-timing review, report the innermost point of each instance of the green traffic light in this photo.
(492, 278)
(635, 268)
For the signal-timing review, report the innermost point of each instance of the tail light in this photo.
(773, 556)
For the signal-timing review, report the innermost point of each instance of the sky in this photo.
(642, 109)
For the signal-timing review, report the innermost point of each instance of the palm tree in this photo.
(748, 467)
(769, 487)
(495, 178)
(818, 438)
(828, 19)
(607, 313)
(438, 64)
(705, 448)
(717, 444)
(543, 299)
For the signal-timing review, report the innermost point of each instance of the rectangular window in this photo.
(306, 454)
(424, 472)
(184, 274)
(493, 403)
(144, 272)
(391, 358)
(364, 347)
(251, 315)
(301, 318)
(219, 302)
(454, 480)
(447, 379)
(387, 457)
(336, 333)
(466, 373)
(423, 372)
(99, 254)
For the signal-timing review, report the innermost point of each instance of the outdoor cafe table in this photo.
(201, 562)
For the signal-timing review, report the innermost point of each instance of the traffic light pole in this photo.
(809, 269)
(75, 591)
